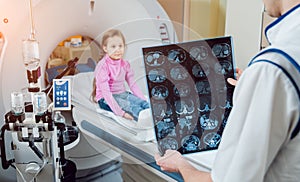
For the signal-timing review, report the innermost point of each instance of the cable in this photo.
(39, 154)
(19, 172)
(36, 150)
(45, 161)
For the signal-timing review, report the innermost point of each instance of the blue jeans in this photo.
(128, 102)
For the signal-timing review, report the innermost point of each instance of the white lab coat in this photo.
(256, 144)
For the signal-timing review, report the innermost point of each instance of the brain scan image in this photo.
(205, 107)
(190, 143)
(221, 50)
(186, 122)
(179, 73)
(162, 109)
(206, 104)
(221, 85)
(176, 56)
(198, 53)
(155, 58)
(184, 106)
(165, 128)
(208, 122)
(157, 75)
(223, 67)
(212, 139)
(203, 87)
(200, 71)
(183, 122)
(227, 105)
(182, 90)
(189, 94)
(160, 92)
(168, 143)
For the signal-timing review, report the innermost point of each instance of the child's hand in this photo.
(127, 116)
(238, 74)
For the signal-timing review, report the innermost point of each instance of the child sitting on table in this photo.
(111, 72)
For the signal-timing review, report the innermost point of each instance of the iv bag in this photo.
(31, 55)
(31, 60)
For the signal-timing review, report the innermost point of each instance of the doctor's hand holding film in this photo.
(233, 81)
(173, 161)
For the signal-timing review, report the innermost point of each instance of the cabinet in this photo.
(68, 53)
(83, 53)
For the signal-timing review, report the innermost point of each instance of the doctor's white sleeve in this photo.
(257, 127)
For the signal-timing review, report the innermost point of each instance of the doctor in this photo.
(261, 140)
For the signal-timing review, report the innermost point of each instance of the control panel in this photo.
(62, 94)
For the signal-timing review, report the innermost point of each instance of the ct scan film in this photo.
(189, 95)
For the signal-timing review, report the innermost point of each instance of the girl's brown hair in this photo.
(108, 34)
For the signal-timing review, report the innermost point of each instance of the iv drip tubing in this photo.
(32, 31)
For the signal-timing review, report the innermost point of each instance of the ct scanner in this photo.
(56, 20)
(101, 149)
(142, 23)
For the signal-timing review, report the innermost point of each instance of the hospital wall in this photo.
(194, 19)
(244, 23)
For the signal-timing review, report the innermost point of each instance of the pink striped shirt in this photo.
(110, 77)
